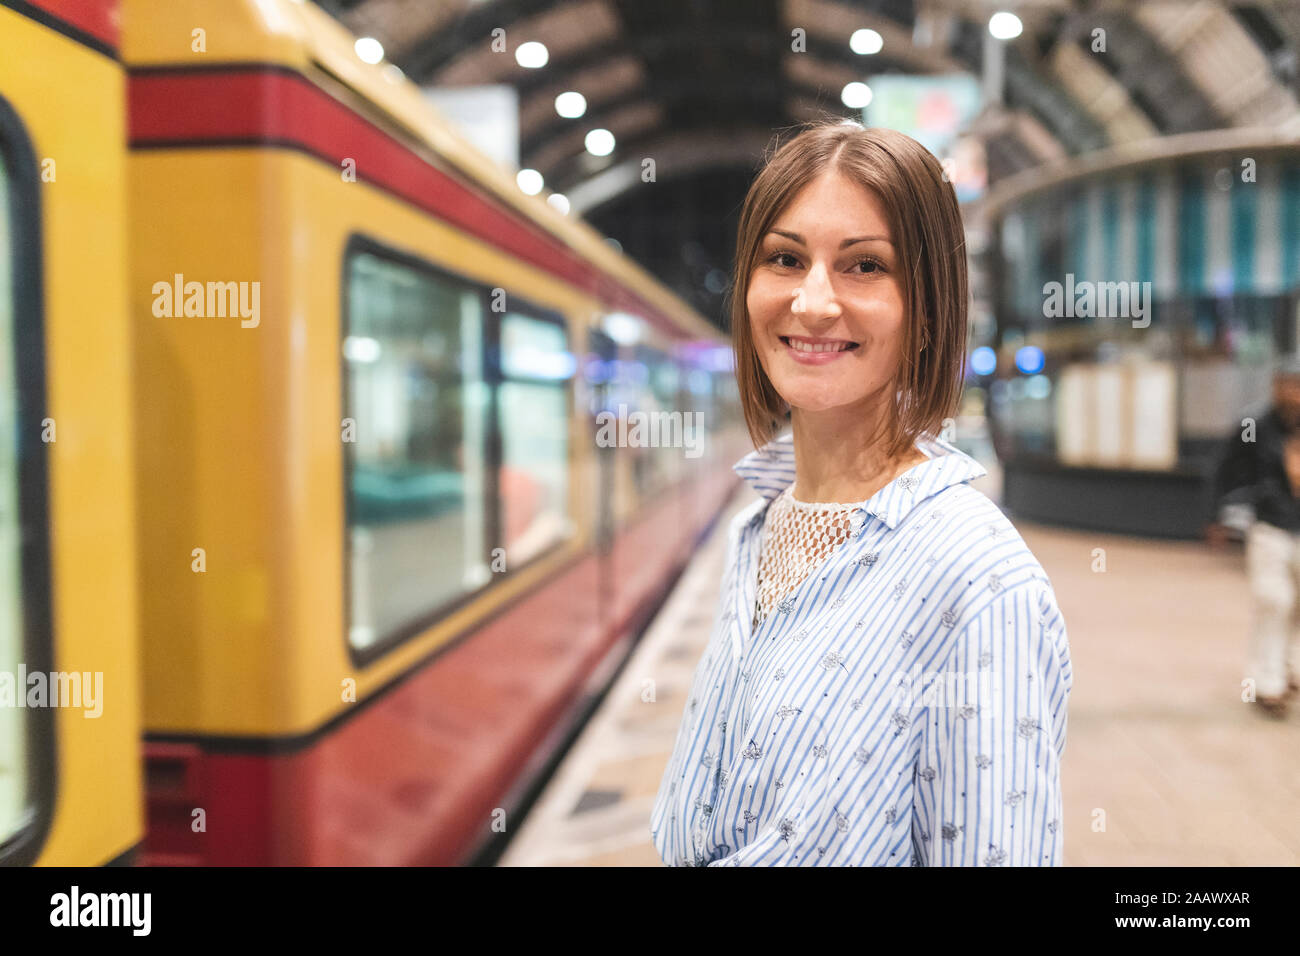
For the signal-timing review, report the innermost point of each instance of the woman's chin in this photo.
(814, 403)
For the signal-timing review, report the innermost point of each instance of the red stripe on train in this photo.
(99, 18)
(275, 107)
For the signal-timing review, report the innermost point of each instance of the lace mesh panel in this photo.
(797, 537)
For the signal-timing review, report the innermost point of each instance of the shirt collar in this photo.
(770, 470)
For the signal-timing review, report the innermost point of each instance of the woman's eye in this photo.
(789, 260)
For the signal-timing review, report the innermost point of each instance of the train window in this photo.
(665, 379)
(536, 365)
(652, 460)
(13, 758)
(26, 733)
(416, 457)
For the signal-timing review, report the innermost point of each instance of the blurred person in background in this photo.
(1260, 469)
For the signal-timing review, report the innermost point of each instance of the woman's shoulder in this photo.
(969, 540)
(960, 510)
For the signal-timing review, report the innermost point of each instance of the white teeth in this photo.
(811, 347)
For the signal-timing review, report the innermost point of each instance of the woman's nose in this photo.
(815, 297)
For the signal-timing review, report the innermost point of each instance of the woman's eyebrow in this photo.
(843, 245)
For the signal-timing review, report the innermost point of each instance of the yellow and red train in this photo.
(301, 402)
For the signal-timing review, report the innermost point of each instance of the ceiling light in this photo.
(531, 55)
(600, 142)
(866, 42)
(369, 49)
(570, 105)
(1005, 26)
(530, 181)
(856, 96)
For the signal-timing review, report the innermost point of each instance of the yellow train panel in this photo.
(73, 108)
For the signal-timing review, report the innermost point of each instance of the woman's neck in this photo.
(840, 456)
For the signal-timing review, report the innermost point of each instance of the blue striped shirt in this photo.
(904, 705)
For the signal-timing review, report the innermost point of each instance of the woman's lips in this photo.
(816, 351)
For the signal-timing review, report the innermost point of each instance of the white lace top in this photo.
(797, 537)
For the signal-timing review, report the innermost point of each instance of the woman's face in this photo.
(825, 302)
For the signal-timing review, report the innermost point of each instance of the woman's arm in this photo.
(988, 784)
(669, 820)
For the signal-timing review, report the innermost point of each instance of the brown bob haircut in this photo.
(930, 246)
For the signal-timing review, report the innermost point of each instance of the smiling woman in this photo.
(869, 577)
(851, 243)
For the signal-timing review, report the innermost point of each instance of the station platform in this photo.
(1164, 763)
